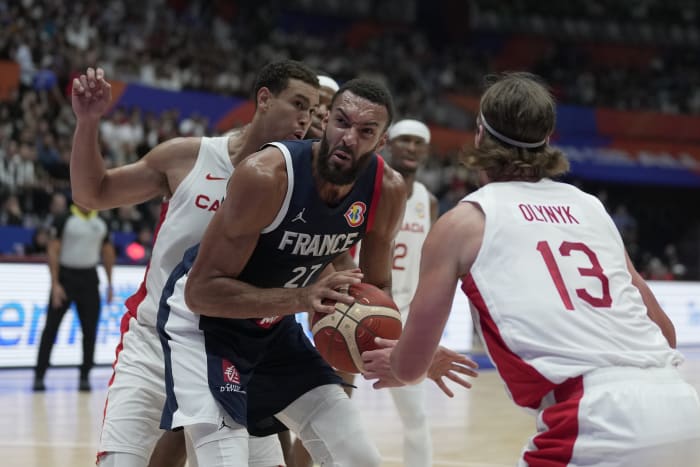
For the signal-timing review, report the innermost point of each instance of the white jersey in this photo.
(550, 290)
(183, 220)
(407, 247)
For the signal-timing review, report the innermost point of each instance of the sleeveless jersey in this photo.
(183, 220)
(407, 247)
(306, 234)
(550, 290)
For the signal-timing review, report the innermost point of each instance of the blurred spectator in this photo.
(656, 270)
(11, 213)
(625, 223)
(39, 243)
(57, 208)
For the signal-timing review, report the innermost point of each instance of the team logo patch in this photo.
(267, 323)
(355, 215)
(420, 210)
(230, 372)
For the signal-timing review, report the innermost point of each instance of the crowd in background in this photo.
(218, 46)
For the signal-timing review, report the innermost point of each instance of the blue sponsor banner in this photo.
(23, 299)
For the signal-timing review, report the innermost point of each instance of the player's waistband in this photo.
(573, 387)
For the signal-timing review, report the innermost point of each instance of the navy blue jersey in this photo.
(308, 234)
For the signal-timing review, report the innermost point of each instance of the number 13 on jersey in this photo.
(594, 269)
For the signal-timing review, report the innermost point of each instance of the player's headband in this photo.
(410, 127)
(505, 139)
(328, 82)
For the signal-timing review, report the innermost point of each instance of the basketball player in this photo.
(261, 261)
(328, 87)
(295, 454)
(572, 328)
(191, 175)
(408, 145)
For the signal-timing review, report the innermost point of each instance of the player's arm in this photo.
(654, 310)
(434, 209)
(254, 197)
(447, 254)
(376, 254)
(97, 188)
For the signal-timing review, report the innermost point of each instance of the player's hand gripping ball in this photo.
(343, 335)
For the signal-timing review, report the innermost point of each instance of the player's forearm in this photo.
(224, 297)
(86, 166)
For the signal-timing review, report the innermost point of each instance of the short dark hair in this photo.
(371, 90)
(275, 76)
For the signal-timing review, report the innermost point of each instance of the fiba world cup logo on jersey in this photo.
(355, 215)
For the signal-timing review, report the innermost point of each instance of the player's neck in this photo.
(330, 193)
(244, 143)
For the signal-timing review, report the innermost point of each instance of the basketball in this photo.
(343, 335)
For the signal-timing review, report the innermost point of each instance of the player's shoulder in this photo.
(464, 219)
(268, 165)
(392, 181)
(173, 153)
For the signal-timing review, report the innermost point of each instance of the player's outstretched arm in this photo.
(255, 195)
(97, 188)
(447, 255)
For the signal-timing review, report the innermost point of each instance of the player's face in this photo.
(317, 119)
(407, 153)
(289, 113)
(355, 128)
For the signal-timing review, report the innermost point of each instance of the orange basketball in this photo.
(343, 335)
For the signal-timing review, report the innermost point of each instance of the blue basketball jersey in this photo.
(308, 234)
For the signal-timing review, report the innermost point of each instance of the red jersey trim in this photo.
(555, 447)
(527, 386)
(132, 303)
(376, 194)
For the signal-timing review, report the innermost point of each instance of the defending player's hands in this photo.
(446, 364)
(377, 364)
(322, 296)
(91, 94)
(450, 364)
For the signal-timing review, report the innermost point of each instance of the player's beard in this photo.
(330, 172)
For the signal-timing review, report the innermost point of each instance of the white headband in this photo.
(505, 139)
(328, 82)
(410, 127)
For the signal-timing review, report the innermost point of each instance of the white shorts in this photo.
(136, 393)
(136, 396)
(619, 417)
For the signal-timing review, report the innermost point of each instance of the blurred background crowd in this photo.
(639, 56)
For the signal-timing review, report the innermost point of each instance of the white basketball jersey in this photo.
(550, 290)
(407, 248)
(183, 220)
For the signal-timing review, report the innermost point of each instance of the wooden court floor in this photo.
(477, 428)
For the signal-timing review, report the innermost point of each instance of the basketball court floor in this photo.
(477, 428)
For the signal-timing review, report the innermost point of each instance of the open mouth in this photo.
(341, 156)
